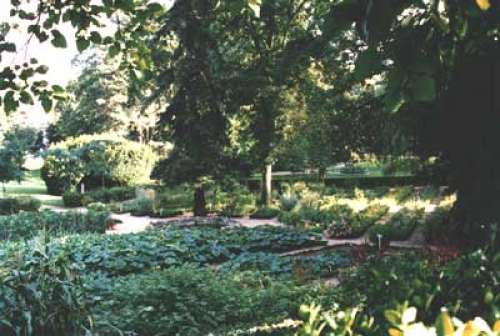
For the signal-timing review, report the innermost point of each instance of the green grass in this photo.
(32, 185)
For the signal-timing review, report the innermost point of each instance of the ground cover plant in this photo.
(399, 227)
(27, 225)
(10, 206)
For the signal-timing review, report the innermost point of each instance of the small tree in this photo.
(11, 163)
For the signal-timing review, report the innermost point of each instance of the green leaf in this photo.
(114, 50)
(58, 39)
(82, 43)
(57, 89)
(393, 102)
(95, 37)
(10, 104)
(46, 102)
(423, 89)
(368, 63)
(26, 98)
(155, 7)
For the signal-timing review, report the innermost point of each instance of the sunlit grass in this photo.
(31, 185)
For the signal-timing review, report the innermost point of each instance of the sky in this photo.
(59, 61)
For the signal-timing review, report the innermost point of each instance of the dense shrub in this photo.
(115, 194)
(193, 301)
(97, 161)
(124, 254)
(10, 206)
(265, 213)
(72, 199)
(399, 227)
(105, 195)
(234, 201)
(295, 268)
(28, 224)
(141, 206)
(468, 287)
(353, 225)
(42, 295)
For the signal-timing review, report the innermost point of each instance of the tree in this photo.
(441, 57)
(12, 154)
(98, 102)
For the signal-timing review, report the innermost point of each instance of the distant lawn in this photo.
(32, 185)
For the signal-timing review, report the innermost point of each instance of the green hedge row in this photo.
(105, 195)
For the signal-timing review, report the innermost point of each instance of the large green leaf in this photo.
(82, 43)
(10, 103)
(58, 39)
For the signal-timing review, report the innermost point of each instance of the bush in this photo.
(142, 206)
(72, 199)
(234, 200)
(96, 160)
(193, 301)
(288, 202)
(265, 213)
(115, 194)
(292, 218)
(27, 225)
(165, 213)
(42, 295)
(10, 206)
(399, 227)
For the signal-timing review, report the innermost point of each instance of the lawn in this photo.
(32, 185)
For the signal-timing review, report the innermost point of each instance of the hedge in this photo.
(96, 161)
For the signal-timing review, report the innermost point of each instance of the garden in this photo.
(249, 167)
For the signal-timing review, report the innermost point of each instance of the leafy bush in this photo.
(165, 213)
(10, 206)
(192, 301)
(42, 295)
(72, 199)
(234, 200)
(265, 213)
(288, 202)
(297, 268)
(96, 160)
(105, 195)
(124, 254)
(291, 218)
(356, 224)
(467, 286)
(399, 227)
(402, 321)
(142, 206)
(27, 225)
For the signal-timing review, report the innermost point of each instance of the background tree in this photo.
(439, 58)
(98, 102)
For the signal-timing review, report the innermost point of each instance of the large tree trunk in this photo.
(266, 193)
(200, 204)
(472, 143)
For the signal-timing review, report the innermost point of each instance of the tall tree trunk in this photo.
(266, 193)
(200, 204)
(472, 143)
